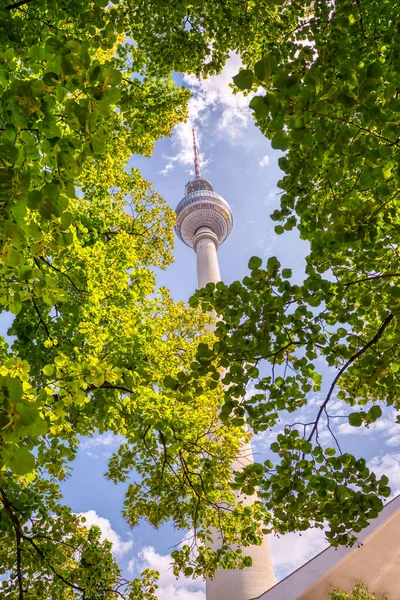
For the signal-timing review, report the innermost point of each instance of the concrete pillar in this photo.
(251, 582)
(205, 244)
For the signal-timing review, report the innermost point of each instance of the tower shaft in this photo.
(205, 245)
(203, 222)
(251, 582)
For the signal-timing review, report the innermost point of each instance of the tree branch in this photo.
(62, 273)
(351, 123)
(40, 317)
(18, 534)
(52, 569)
(360, 352)
(383, 276)
(17, 4)
(26, 12)
(109, 386)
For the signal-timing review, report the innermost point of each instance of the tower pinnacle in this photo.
(196, 157)
(202, 207)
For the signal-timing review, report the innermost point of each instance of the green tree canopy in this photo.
(82, 87)
(330, 102)
(96, 346)
(360, 592)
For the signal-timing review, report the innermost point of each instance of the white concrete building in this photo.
(374, 560)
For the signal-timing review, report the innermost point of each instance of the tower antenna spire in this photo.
(196, 157)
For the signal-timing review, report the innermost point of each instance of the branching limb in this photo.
(17, 4)
(62, 273)
(26, 12)
(109, 386)
(18, 535)
(359, 353)
(372, 277)
(40, 317)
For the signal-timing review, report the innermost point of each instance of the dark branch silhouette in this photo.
(360, 352)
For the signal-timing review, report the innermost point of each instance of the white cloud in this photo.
(265, 161)
(105, 439)
(169, 588)
(386, 424)
(119, 547)
(288, 553)
(394, 440)
(389, 465)
(100, 445)
(212, 96)
(292, 550)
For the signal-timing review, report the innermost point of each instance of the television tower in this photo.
(203, 222)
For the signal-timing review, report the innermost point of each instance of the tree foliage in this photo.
(330, 102)
(95, 344)
(82, 87)
(360, 592)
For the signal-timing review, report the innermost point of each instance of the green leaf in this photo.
(286, 273)
(343, 493)
(38, 428)
(111, 77)
(254, 263)
(14, 388)
(375, 412)
(261, 110)
(22, 462)
(355, 419)
(374, 70)
(12, 257)
(262, 69)
(50, 79)
(48, 370)
(38, 88)
(48, 208)
(33, 199)
(244, 79)
(15, 304)
(170, 382)
(280, 141)
(9, 54)
(66, 220)
(384, 480)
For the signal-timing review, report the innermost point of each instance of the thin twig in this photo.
(372, 277)
(352, 124)
(18, 534)
(17, 4)
(40, 317)
(376, 337)
(50, 25)
(63, 273)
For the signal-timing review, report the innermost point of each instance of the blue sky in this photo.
(242, 167)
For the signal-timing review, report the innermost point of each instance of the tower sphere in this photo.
(200, 208)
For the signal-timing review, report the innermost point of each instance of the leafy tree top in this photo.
(360, 592)
(84, 85)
